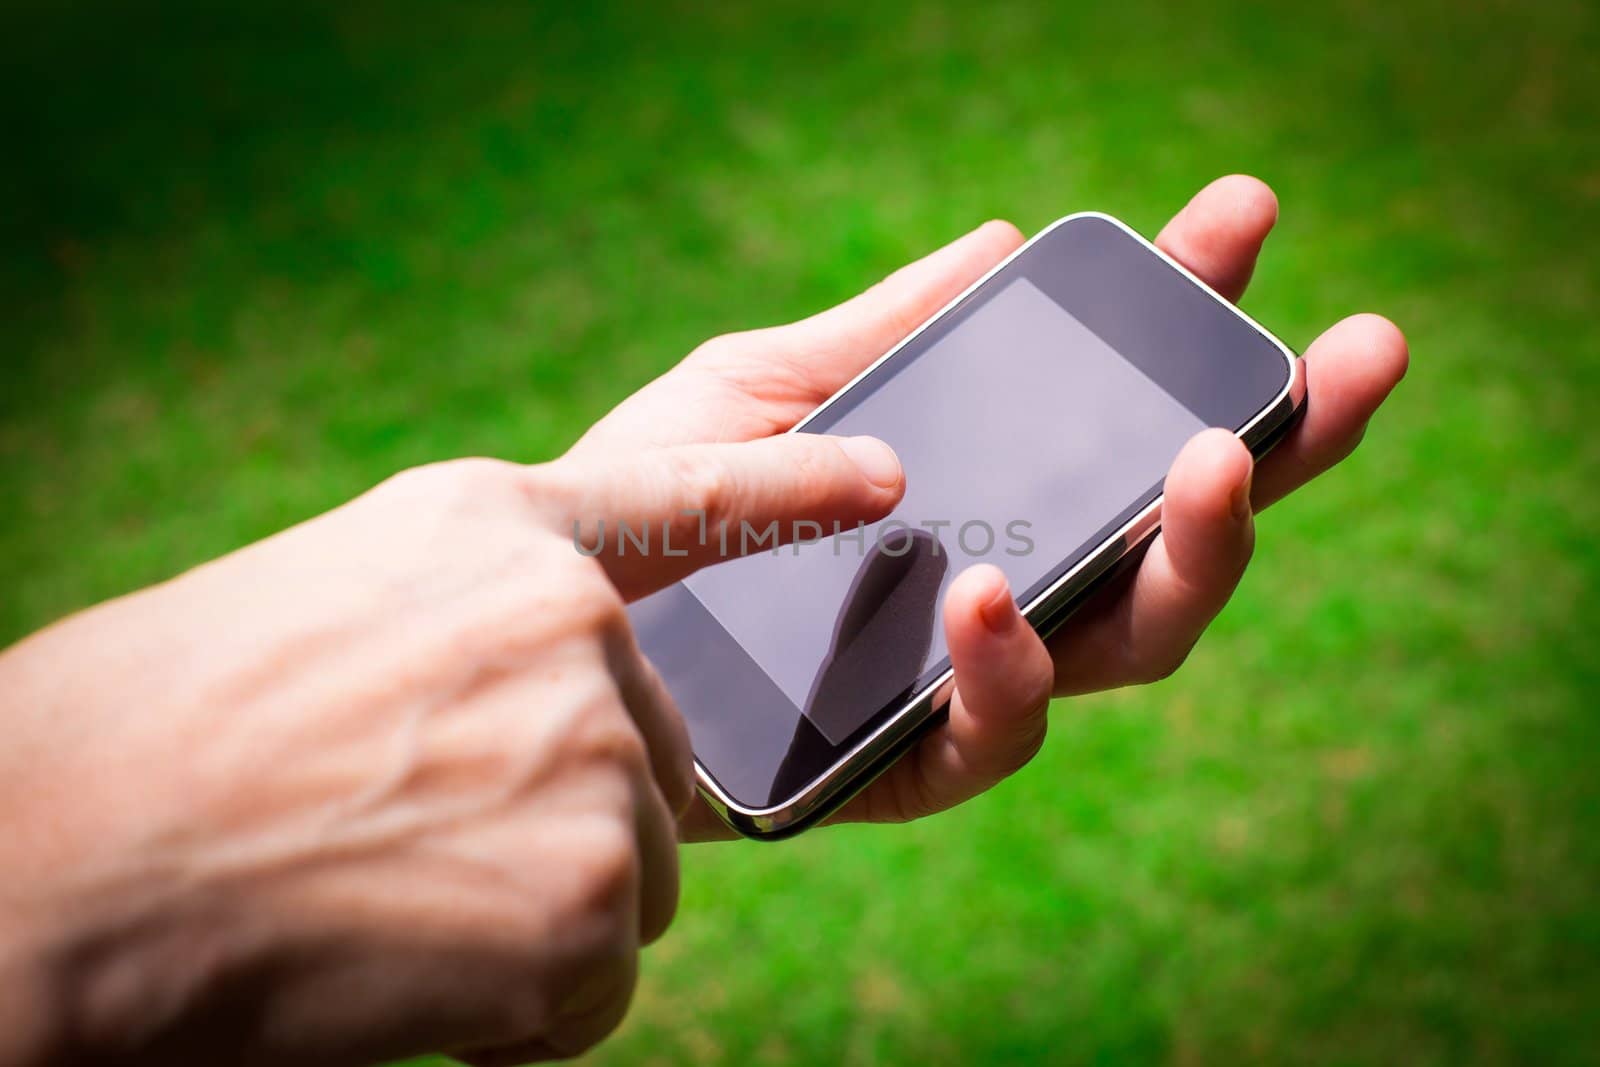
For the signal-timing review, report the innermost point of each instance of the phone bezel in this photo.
(855, 769)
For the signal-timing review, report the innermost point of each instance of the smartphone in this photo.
(1035, 417)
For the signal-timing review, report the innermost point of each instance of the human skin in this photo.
(398, 779)
(395, 780)
(745, 386)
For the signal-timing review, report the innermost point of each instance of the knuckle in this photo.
(1342, 449)
(609, 875)
(672, 763)
(921, 794)
(1247, 550)
(1159, 668)
(555, 485)
(1035, 743)
(659, 911)
(610, 739)
(599, 1005)
(712, 348)
(679, 790)
(479, 470)
(573, 991)
(582, 596)
(1026, 746)
(817, 467)
(658, 923)
(477, 475)
(903, 317)
(552, 604)
(700, 480)
(455, 483)
(716, 351)
(1039, 680)
(600, 606)
(413, 483)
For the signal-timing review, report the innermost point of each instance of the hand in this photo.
(395, 780)
(747, 386)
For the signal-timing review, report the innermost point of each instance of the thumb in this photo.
(657, 516)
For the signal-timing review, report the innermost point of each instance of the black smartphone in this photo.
(1035, 417)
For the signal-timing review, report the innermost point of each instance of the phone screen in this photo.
(972, 420)
(1027, 436)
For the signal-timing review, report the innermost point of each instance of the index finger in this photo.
(655, 517)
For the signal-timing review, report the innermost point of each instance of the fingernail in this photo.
(999, 610)
(1241, 497)
(876, 460)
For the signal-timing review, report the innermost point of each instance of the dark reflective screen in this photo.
(1025, 436)
(1020, 433)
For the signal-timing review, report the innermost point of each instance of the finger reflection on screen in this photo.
(880, 642)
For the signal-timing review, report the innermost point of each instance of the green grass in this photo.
(254, 262)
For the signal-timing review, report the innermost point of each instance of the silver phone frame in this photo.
(850, 771)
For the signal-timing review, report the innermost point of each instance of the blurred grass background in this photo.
(257, 259)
